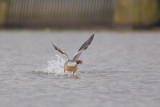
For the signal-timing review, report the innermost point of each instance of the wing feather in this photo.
(83, 47)
(59, 50)
(87, 43)
(78, 54)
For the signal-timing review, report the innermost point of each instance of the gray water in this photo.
(120, 69)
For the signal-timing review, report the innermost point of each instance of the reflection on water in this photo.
(119, 69)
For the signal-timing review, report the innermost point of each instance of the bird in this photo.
(72, 64)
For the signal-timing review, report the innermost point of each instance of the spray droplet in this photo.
(55, 66)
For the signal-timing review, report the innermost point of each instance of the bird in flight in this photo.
(72, 64)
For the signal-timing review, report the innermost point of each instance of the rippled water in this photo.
(119, 69)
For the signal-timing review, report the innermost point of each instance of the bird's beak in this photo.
(64, 70)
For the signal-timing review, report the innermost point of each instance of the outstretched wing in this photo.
(83, 47)
(87, 43)
(78, 54)
(59, 50)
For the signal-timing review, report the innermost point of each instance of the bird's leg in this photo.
(64, 70)
(73, 74)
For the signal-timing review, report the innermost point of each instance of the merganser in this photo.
(71, 65)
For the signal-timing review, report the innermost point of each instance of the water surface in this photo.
(119, 69)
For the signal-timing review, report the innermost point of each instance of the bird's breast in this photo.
(71, 66)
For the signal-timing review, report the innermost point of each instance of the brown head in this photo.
(79, 61)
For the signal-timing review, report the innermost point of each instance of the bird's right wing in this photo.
(77, 55)
(59, 50)
(87, 43)
(83, 47)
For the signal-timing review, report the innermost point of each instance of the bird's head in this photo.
(79, 62)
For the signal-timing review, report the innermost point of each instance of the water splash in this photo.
(55, 66)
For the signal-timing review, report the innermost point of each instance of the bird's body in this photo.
(71, 65)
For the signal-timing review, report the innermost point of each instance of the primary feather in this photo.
(87, 43)
(83, 47)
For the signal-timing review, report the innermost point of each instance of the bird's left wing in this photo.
(59, 50)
